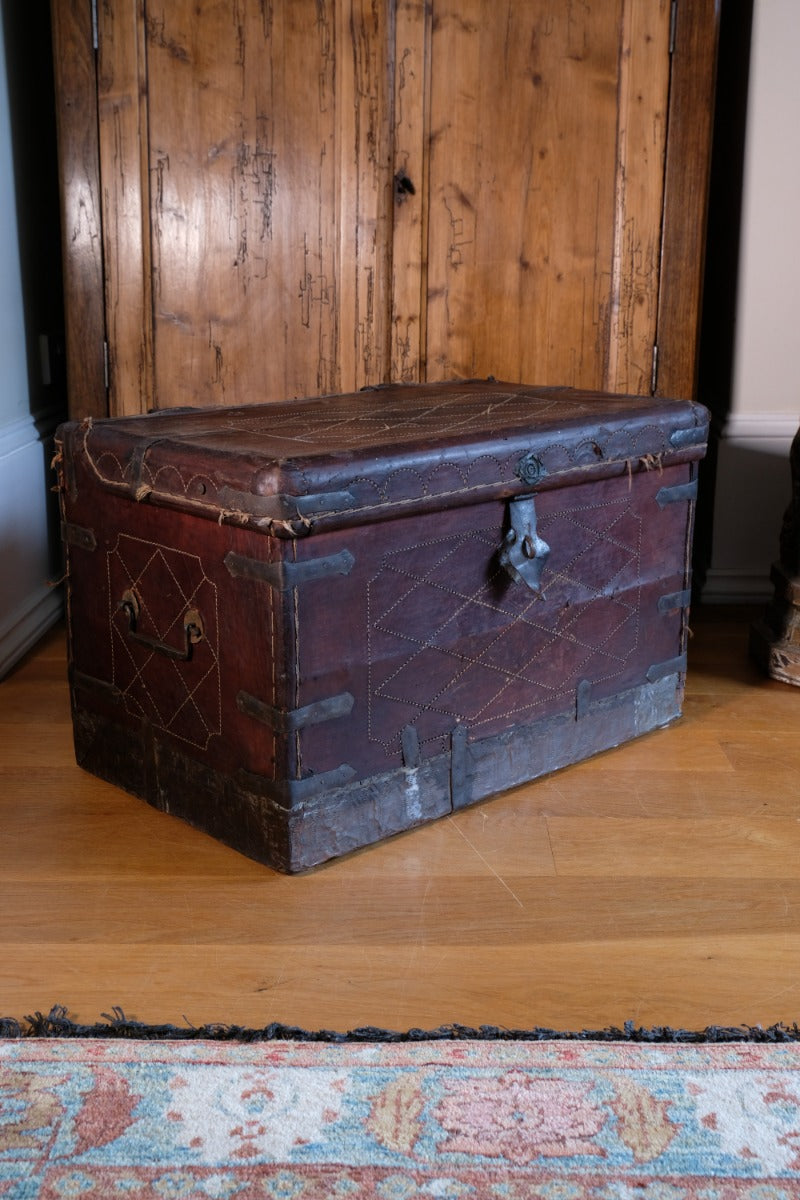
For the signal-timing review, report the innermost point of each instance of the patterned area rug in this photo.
(440, 1115)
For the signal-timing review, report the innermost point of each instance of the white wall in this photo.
(28, 604)
(753, 480)
(13, 367)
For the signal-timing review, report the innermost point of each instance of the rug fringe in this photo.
(58, 1024)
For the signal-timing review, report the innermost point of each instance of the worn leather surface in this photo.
(377, 644)
(299, 465)
(429, 630)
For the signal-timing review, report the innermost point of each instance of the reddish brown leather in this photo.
(377, 452)
(360, 636)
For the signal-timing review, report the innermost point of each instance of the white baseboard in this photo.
(761, 427)
(730, 586)
(32, 428)
(28, 605)
(24, 628)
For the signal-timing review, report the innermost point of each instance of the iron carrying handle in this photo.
(523, 553)
(193, 629)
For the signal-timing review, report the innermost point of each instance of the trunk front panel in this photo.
(428, 631)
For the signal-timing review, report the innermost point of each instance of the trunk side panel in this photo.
(171, 564)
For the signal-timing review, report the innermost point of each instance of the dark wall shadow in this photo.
(718, 320)
(31, 97)
(745, 472)
(34, 148)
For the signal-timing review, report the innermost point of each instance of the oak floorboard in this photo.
(544, 910)
(686, 982)
(658, 883)
(710, 847)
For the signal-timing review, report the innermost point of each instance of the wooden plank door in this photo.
(313, 196)
(545, 125)
(246, 153)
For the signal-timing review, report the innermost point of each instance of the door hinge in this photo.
(105, 366)
(673, 25)
(654, 371)
(95, 26)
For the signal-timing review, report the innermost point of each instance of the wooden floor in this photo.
(659, 883)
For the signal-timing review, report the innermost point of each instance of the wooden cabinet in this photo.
(278, 199)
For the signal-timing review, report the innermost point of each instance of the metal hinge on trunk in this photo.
(673, 25)
(95, 33)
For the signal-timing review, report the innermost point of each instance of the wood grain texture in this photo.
(546, 175)
(365, 100)
(523, 138)
(122, 124)
(686, 183)
(641, 144)
(81, 223)
(270, 147)
(255, 245)
(411, 123)
(659, 883)
(244, 253)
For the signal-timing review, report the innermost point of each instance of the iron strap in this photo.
(283, 575)
(674, 495)
(289, 720)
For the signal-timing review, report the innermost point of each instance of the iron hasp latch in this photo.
(523, 553)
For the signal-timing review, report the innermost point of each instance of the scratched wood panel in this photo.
(528, 255)
(269, 151)
(125, 204)
(364, 195)
(76, 113)
(252, 244)
(691, 104)
(641, 147)
(409, 233)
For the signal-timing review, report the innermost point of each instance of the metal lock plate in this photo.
(523, 553)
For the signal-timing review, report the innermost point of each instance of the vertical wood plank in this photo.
(81, 224)
(411, 134)
(244, 254)
(293, 288)
(122, 94)
(523, 147)
(365, 69)
(271, 215)
(691, 117)
(253, 247)
(641, 145)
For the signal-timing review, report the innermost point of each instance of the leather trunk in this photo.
(306, 626)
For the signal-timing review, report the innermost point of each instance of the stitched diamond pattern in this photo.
(346, 422)
(452, 639)
(181, 698)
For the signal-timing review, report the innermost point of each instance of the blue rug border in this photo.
(58, 1024)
